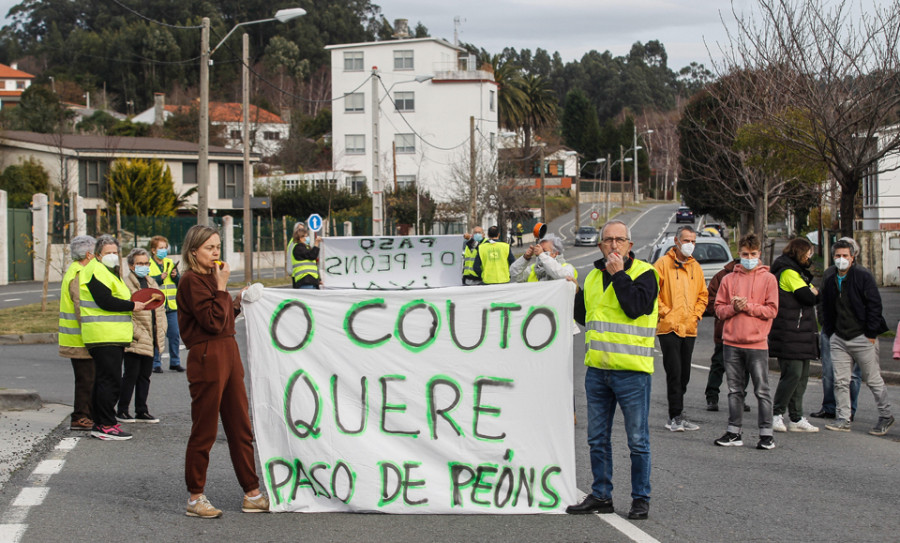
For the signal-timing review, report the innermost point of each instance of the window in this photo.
(870, 187)
(20, 85)
(492, 101)
(403, 59)
(271, 135)
(188, 173)
(493, 140)
(405, 101)
(406, 143)
(357, 184)
(325, 183)
(355, 144)
(354, 102)
(406, 181)
(353, 61)
(236, 135)
(231, 180)
(92, 178)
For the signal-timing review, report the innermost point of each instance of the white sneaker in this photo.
(802, 425)
(675, 425)
(778, 423)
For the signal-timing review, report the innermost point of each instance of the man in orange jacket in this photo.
(682, 300)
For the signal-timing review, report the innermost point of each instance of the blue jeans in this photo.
(829, 405)
(631, 390)
(174, 338)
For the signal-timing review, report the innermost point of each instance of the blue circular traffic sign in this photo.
(314, 222)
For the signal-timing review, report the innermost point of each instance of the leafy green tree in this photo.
(38, 111)
(185, 126)
(510, 98)
(142, 188)
(539, 107)
(22, 181)
(304, 200)
(580, 128)
(401, 205)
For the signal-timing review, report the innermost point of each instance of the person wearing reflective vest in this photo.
(470, 253)
(619, 309)
(106, 328)
(550, 263)
(166, 275)
(304, 269)
(71, 345)
(494, 258)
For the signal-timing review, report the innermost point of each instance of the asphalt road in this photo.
(813, 487)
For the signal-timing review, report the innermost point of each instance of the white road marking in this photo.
(12, 299)
(49, 467)
(31, 496)
(699, 367)
(12, 533)
(67, 444)
(630, 531)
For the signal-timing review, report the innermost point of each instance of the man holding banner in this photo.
(470, 252)
(619, 308)
(494, 258)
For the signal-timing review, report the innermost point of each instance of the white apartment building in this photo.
(420, 93)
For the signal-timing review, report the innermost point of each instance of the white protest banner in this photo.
(453, 400)
(391, 262)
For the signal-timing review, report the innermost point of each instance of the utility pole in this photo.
(394, 154)
(577, 196)
(635, 147)
(248, 174)
(203, 159)
(608, 183)
(622, 174)
(543, 195)
(473, 212)
(377, 189)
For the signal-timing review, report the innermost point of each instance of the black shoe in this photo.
(591, 505)
(179, 369)
(123, 416)
(157, 369)
(640, 510)
(145, 417)
(712, 406)
(766, 443)
(822, 414)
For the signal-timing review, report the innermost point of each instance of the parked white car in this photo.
(712, 253)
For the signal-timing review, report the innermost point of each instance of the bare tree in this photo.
(834, 68)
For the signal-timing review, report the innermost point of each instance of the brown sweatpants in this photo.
(216, 381)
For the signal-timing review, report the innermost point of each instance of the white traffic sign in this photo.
(314, 222)
(594, 215)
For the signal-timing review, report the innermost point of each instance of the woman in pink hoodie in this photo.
(747, 303)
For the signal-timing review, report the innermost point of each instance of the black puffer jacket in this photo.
(795, 331)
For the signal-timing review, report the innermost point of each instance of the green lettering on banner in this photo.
(434, 412)
(404, 483)
(275, 487)
(504, 310)
(363, 402)
(280, 311)
(550, 314)
(482, 484)
(353, 312)
(451, 324)
(548, 489)
(400, 407)
(491, 410)
(432, 333)
(299, 477)
(457, 485)
(305, 428)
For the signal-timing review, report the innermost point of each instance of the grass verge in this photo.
(28, 319)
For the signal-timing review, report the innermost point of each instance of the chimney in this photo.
(14, 65)
(401, 29)
(159, 108)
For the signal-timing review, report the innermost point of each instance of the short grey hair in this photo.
(137, 251)
(683, 228)
(80, 246)
(842, 243)
(103, 241)
(616, 221)
(555, 242)
(854, 247)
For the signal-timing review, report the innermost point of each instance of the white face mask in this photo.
(111, 260)
(842, 264)
(687, 249)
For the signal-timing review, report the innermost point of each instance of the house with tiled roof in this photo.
(13, 83)
(267, 130)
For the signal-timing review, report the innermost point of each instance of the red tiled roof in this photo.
(231, 112)
(10, 93)
(11, 73)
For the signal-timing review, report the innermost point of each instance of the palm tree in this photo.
(540, 107)
(510, 98)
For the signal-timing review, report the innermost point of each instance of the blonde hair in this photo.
(299, 227)
(154, 242)
(193, 240)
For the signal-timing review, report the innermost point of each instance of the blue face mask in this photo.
(142, 271)
(478, 237)
(162, 253)
(749, 263)
(308, 240)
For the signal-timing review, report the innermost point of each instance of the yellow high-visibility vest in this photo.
(168, 285)
(494, 262)
(301, 268)
(469, 256)
(69, 328)
(533, 278)
(99, 325)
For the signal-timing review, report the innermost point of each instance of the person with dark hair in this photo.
(206, 314)
(852, 319)
(747, 302)
(470, 252)
(304, 257)
(717, 360)
(794, 338)
(165, 273)
(682, 300)
(494, 259)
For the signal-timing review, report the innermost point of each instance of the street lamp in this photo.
(282, 15)
(578, 172)
(636, 148)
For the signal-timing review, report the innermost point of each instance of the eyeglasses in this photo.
(618, 241)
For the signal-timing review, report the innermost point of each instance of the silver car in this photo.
(587, 235)
(712, 253)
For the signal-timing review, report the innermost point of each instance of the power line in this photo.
(402, 116)
(154, 21)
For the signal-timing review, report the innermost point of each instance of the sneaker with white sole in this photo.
(256, 504)
(881, 427)
(839, 425)
(778, 423)
(675, 425)
(201, 508)
(802, 425)
(110, 433)
(766, 443)
(688, 425)
(146, 418)
(730, 439)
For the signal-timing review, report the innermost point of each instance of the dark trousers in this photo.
(676, 353)
(83, 368)
(136, 379)
(791, 388)
(216, 382)
(717, 373)
(107, 381)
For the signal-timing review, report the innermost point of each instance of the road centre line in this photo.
(49, 467)
(630, 531)
(31, 496)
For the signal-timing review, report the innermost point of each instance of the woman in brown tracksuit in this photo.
(215, 374)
